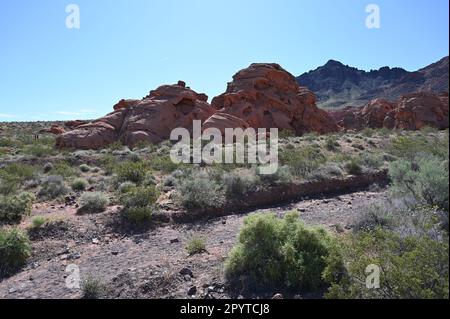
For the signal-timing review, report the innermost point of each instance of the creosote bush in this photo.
(138, 204)
(130, 171)
(199, 190)
(53, 187)
(79, 184)
(13, 208)
(302, 161)
(95, 202)
(279, 254)
(15, 249)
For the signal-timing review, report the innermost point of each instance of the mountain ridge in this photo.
(338, 85)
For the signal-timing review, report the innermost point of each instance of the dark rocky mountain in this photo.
(337, 85)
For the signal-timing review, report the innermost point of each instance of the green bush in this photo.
(64, 169)
(196, 245)
(302, 161)
(95, 202)
(163, 163)
(281, 176)
(15, 249)
(126, 187)
(53, 187)
(13, 175)
(138, 204)
(199, 190)
(421, 182)
(331, 143)
(13, 208)
(85, 168)
(278, 254)
(131, 172)
(353, 167)
(93, 288)
(372, 161)
(39, 150)
(238, 183)
(412, 267)
(79, 184)
(48, 167)
(38, 221)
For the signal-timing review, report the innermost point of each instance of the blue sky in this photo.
(125, 48)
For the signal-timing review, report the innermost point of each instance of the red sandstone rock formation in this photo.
(54, 129)
(267, 96)
(417, 110)
(150, 120)
(75, 123)
(411, 112)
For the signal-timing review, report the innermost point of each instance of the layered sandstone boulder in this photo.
(412, 112)
(417, 110)
(54, 129)
(148, 120)
(267, 96)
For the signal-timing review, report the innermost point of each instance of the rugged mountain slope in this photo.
(338, 85)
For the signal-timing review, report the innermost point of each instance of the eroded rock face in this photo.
(412, 112)
(54, 129)
(148, 120)
(418, 110)
(267, 96)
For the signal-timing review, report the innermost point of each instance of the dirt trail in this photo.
(148, 265)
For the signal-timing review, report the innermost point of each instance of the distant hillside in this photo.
(338, 85)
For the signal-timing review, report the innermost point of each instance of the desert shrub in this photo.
(423, 181)
(13, 208)
(39, 150)
(372, 161)
(281, 254)
(410, 267)
(85, 168)
(38, 221)
(196, 245)
(199, 190)
(93, 288)
(15, 249)
(79, 184)
(411, 148)
(108, 163)
(47, 167)
(281, 176)
(302, 161)
(353, 167)
(126, 187)
(286, 133)
(374, 216)
(326, 171)
(52, 187)
(331, 143)
(6, 142)
(149, 179)
(131, 172)
(64, 169)
(13, 175)
(162, 163)
(238, 183)
(138, 204)
(94, 202)
(368, 132)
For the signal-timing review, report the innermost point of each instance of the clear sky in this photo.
(125, 48)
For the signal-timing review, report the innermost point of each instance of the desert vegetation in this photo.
(46, 193)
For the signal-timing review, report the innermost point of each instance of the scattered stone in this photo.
(278, 296)
(174, 240)
(186, 271)
(192, 291)
(95, 241)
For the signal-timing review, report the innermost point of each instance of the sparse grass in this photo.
(53, 187)
(85, 168)
(93, 288)
(38, 221)
(196, 245)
